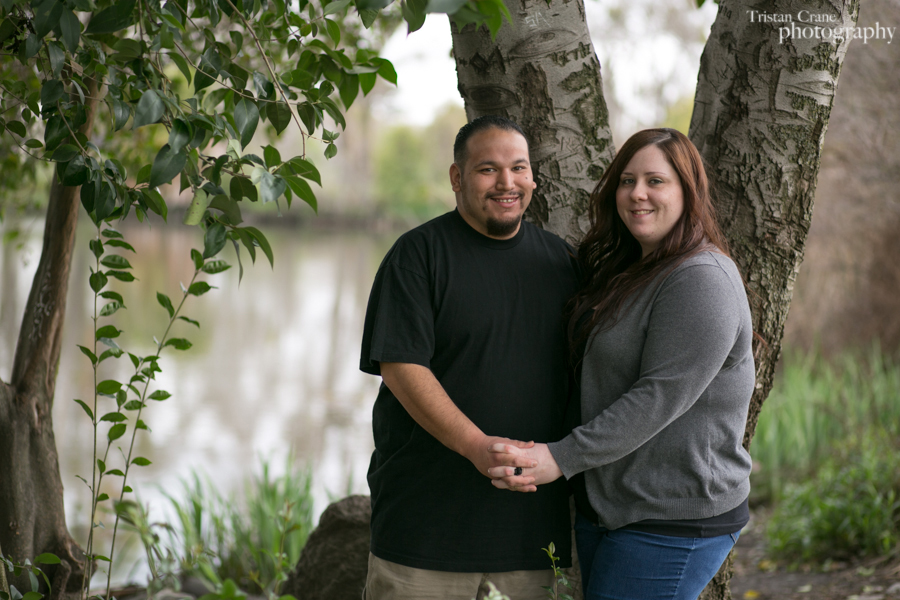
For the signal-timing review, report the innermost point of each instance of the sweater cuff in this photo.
(565, 453)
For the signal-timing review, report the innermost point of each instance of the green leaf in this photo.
(114, 352)
(197, 258)
(246, 119)
(120, 244)
(55, 132)
(108, 386)
(215, 266)
(386, 70)
(115, 472)
(86, 408)
(368, 16)
(111, 233)
(115, 432)
(271, 187)
(445, 6)
(114, 261)
(108, 331)
(348, 88)
(336, 6)
(121, 275)
(102, 497)
(263, 243)
(334, 31)
(98, 281)
(114, 417)
(65, 153)
(166, 303)
(110, 308)
(214, 240)
(191, 321)
(113, 296)
(141, 461)
(272, 156)
(156, 202)
(197, 209)
(279, 115)
(302, 190)
(149, 110)
(33, 595)
(70, 27)
(330, 151)
(87, 352)
(367, 82)
(180, 135)
(371, 4)
(160, 395)
(57, 57)
(118, 16)
(134, 405)
(121, 397)
(414, 13)
(167, 164)
(46, 16)
(241, 187)
(96, 247)
(182, 65)
(178, 343)
(305, 169)
(199, 288)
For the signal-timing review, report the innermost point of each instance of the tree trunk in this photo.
(760, 113)
(542, 72)
(32, 515)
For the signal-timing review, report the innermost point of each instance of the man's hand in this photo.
(479, 454)
(509, 457)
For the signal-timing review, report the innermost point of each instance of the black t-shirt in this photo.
(486, 316)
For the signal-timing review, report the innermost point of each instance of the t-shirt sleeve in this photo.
(694, 323)
(399, 325)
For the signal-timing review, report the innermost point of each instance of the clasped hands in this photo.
(537, 465)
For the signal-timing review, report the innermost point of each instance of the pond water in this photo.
(273, 372)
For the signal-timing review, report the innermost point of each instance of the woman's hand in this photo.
(505, 478)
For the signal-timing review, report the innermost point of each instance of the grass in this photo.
(255, 542)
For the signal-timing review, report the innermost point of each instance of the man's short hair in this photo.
(480, 124)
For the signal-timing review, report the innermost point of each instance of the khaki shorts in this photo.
(389, 581)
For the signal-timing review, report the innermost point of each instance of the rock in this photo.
(894, 589)
(335, 560)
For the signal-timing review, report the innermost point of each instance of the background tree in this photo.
(761, 110)
(122, 97)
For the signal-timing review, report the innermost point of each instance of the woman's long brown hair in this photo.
(610, 256)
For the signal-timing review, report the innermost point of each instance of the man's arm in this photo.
(424, 398)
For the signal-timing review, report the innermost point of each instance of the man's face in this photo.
(493, 187)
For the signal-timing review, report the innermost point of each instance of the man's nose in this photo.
(505, 179)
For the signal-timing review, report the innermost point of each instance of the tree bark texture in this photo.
(760, 112)
(542, 73)
(32, 515)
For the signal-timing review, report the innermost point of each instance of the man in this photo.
(465, 326)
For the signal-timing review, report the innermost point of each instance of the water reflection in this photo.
(273, 369)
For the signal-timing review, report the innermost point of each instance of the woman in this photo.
(666, 379)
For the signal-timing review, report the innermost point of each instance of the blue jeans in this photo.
(633, 565)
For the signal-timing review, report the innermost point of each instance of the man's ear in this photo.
(455, 178)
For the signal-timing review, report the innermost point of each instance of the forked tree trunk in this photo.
(32, 515)
(761, 110)
(760, 113)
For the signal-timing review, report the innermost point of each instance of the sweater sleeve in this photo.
(694, 322)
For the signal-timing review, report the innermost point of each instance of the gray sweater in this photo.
(664, 399)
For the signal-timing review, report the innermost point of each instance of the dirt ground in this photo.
(757, 577)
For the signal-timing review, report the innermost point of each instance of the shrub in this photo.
(851, 508)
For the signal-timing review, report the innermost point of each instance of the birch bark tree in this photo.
(761, 110)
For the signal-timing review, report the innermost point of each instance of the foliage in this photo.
(411, 166)
(254, 543)
(559, 577)
(851, 508)
(494, 593)
(816, 404)
(34, 571)
(131, 397)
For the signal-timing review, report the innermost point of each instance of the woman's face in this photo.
(649, 199)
